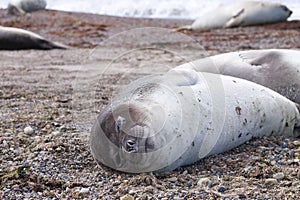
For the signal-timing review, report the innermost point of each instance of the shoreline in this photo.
(88, 30)
(59, 92)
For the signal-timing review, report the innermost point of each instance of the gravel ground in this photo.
(48, 101)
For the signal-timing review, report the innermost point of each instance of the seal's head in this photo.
(286, 10)
(144, 126)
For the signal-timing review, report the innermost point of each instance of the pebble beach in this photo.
(49, 99)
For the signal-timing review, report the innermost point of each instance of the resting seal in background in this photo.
(18, 39)
(161, 122)
(25, 6)
(241, 14)
(277, 69)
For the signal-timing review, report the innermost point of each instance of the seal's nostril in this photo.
(130, 146)
(130, 143)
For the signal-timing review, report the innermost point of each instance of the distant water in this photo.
(182, 9)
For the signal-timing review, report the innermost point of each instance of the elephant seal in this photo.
(18, 39)
(161, 122)
(277, 69)
(240, 14)
(25, 6)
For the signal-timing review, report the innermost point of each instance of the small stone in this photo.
(221, 188)
(278, 149)
(296, 143)
(273, 162)
(189, 183)
(278, 176)
(204, 182)
(177, 198)
(127, 197)
(173, 179)
(84, 190)
(185, 172)
(62, 128)
(283, 144)
(270, 181)
(56, 133)
(6, 190)
(132, 192)
(48, 126)
(28, 130)
(291, 153)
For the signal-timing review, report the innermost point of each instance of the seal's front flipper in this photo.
(296, 132)
(236, 20)
(183, 77)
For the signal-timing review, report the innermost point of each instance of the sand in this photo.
(58, 93)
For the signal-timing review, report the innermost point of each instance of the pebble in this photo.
(127, 197)
(296, 143)
(6, 190)
(56, 133)
(132, 191)
(270, 181)
(177, 198)
(185, 172)
(291, 153)
(84, 190)
(278, 149)
(28, 130)
(273, 162)
(283, 144)
(173, 179)
(278, 176)
(48, 126)
(204, 182)
(221, 188)
(63, 128)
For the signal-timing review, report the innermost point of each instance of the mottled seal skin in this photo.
(241, 14)
(277, 69)
(25, 6)
(19, 39)
(161, 122)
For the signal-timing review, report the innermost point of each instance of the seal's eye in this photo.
(119, 123)
(130, 146)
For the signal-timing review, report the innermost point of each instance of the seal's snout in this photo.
(286, 10)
